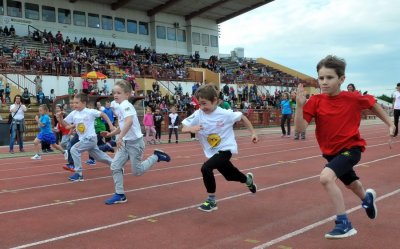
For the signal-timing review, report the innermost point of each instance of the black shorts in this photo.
(342, 164)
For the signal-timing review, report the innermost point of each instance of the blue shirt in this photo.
(45, 119)
(110, 114)
(286, 108)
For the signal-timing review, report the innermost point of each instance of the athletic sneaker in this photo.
(66, 155)
(252, 186)
(208, 206)
(162, 156)
(36, 157)
(343, 229)
(369, 203)
(69, 167)
(116, 198)
(91, 162)
(76, 177)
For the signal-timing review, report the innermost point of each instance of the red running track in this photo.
(40, 208)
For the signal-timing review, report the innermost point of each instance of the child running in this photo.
(130, 144)
(45, 134)
(215, 128)
(337, 117)
(83, 120)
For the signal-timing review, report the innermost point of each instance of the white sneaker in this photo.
(66, 155)
(36, 157)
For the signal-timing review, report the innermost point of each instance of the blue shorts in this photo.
(47, 137)
(342, 164)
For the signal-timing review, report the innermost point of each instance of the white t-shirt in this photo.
(125, 110)
(84, 122)
(173, 117)
(20, 113)
(396, 96)
(217, 133)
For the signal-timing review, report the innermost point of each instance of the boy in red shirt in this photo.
(337, 117)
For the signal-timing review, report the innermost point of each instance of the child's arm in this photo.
(191, 129)
(299, 122)
(249, 126)
(38, 121)
(378, 111)
(107, 119)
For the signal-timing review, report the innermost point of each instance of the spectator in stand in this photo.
(1, 31)
(38, 83)
(40, 96)
(17, 126)
(71, 85)
(85, 86)
(26, 98)
(36, 35)
(8, 92)
(2, 88)
(12, 31)
(52, 96)
(6, 31)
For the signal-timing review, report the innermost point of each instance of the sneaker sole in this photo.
(76, 180)
(350, 233)
(68, 169)
(209, 210)
(374, 202)
(117, 202)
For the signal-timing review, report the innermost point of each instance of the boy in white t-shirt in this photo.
(83, 120)
(214, 126)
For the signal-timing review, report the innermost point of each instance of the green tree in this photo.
(385, 98)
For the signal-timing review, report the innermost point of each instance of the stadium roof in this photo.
(218, 10)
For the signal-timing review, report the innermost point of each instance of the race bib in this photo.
(81, 128)
(213, 140)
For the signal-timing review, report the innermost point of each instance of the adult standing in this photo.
(38, 83)
(17, 125)
(396, 108)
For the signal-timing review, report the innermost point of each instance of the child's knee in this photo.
(327, 177)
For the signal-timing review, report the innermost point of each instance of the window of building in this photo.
(181, 35)
(14, 8)
(196, 38)
(32, 11)
(161, 32)
(132, 26)
(205, 40)
(143, 28)
(64, 16)
(214, 41)
(171, 34)
(48, 14)
(93, 20)
(79, 18)
(107, 22)
(119, 24)
(1, 8)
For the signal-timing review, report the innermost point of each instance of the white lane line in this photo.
(317, 224)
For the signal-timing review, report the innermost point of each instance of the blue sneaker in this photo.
(369, 203)
(69, 167)
(343, 229)
(116, 198)
(162, 156)
(208, 206)
(76, 177)
(91, 162)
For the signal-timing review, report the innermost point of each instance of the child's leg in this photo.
(396, 115)
(288, 124)
(58, 147)
(135, 150)
(99, 155)
(357, 189)
(176, 134)
(147, 129)
(118, 163)
(328, 181)
(153, 133)
(170, 134)
(36, 143)
(86, 144)
(283, 118)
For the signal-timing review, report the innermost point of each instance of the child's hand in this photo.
(37, 118)
(254, 138)
(119, 143)
(105, 134)
(300, 96)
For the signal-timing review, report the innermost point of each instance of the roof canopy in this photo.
(218, 10)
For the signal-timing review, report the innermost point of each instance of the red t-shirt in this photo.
(337, 120)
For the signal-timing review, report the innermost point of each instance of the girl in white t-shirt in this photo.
(130, 142)
(173, 119)
(214, 126)
(396, 108)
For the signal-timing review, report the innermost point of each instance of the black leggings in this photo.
(396, 114)
(221, 162)
(286, 118)
(170, 133)
(158, 132)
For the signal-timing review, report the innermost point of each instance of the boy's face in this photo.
(41, 111)
(157, 111)
(329, 81)
(78, 104)
(208, 106)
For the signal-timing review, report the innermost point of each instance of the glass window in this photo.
(196, 38)
(93, 20)
(14, 8)
(205, 40)
(79, 18)
(181, 35)
(214, 40)
(143, 28)
(171, 34)
(1, 8)
(48, 14)
(161, 32)
(32, 11)
(107, 22)
(119, 24)
(64, 16)
(132, 26)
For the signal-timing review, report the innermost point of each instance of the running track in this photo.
(40, 208)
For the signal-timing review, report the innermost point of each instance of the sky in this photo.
(299, 33)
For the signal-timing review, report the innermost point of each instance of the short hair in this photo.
(82, 97)
(124, 85)
(333, 62)
(207, 92)
(398, 84)
(44, 107)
